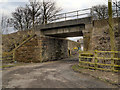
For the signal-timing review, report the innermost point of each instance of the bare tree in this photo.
(100, 12)
(116, 5)
(21, 18)
(49, 9)
(18, 18)
(26, 18)
(4, 24)
(35, 11)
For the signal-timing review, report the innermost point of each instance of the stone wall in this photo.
(87, 35)
(71, 46)
(100, 39)
(53, 48)
(29, 52)
(10, 40)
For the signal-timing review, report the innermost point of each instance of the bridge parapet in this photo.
(68, 23)
(72, 15)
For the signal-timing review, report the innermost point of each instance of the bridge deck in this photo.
(67, 23)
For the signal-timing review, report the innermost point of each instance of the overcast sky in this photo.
(8, 6)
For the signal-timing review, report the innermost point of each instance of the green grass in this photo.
(8, 66)
(76, 68)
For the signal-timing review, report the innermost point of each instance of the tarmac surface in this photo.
(55, 74)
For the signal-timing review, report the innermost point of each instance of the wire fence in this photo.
(7, 57)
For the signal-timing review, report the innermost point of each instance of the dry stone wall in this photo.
(10, 40)
(29, 52)
(100, 39)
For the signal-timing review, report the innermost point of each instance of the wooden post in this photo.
(95, 59)
(40, 46)
(14, 55)
(112, 61)
(112, 36)
(118, 62)
(112, 39)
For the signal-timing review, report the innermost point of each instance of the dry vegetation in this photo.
(10, 41)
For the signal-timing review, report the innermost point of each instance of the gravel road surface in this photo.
(56, 74)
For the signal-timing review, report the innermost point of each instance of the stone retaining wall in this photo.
(100, 39)
(53, 48)
(29, 52)
(10, 40)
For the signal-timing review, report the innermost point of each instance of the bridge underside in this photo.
(64, 32)
(64, 35)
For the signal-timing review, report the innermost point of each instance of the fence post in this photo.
(112, 59)
(95, 59)
(13, 55)
(111, 32)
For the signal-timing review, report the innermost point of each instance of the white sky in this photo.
(67, 5)
(79, 4)
(8, 6)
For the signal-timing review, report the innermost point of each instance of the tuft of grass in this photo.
(76, 68)
(7, 66)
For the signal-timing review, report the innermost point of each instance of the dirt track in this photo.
(58, 74)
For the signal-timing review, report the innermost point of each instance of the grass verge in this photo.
(90, 72)
(12, 65)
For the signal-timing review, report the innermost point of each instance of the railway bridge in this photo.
(50, 42)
